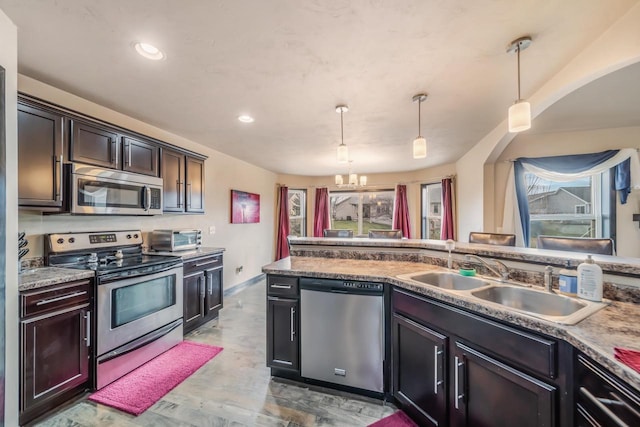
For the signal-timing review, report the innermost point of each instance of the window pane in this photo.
(431, 210)
(563, 208)
(361, 212)
(297, 212)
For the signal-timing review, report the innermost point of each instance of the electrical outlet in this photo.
(212, 229)
(239, 270)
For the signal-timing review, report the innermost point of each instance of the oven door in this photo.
(103, 191)
(130, 308)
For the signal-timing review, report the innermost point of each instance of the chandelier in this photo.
(352, 179)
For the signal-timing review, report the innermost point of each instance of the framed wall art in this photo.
(245, 207)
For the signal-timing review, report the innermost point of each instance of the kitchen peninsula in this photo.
(481, 337)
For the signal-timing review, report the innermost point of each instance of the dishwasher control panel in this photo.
(363, 285)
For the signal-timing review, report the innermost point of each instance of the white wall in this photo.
(564, 143)
(9, 61)
(247, 245)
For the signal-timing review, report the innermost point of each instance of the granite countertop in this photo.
(190, 254)
(613, 264)
(617, 325)
(46, 276)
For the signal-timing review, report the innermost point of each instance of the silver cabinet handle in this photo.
(456, 381)
(60, 298)
(179, 192)
(275, 285)
(210, 283)
(200, 264)
(114, 155)
(129, 154)
(293, 331)
(57, 178)
(190, 195)
(586, 393)
(436, 353)
(87, 317)
(202, 295)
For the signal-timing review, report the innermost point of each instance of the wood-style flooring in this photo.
(234, 388)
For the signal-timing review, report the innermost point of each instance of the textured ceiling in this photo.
(289, 63)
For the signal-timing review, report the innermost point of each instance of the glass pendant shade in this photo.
(363, 180)
(343, 153)
(339, 180)
(353, 179)
(519, 117)
(419, 148)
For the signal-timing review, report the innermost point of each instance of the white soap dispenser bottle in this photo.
(590, 280)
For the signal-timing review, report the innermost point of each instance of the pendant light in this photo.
(352, 179)
(420, 143)
(520, 111)
(343, 151)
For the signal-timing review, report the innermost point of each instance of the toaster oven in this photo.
(176, 239)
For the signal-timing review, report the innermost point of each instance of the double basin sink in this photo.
(537, 303)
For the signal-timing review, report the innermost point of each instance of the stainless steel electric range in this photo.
(138, 297)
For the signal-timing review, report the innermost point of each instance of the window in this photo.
(431, 210)
(297, 213)
(580, 208)
(361, 211)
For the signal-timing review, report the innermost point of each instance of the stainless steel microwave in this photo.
(176, 240)
(100, 191)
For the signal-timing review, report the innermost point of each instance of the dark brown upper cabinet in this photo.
(94, 145)
(140, 156)
(40, 157)
(195, 184)
(183, 182)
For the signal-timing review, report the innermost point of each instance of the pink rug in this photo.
(398, 419)
(138, 390)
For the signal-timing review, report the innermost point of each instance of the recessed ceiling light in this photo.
(148, 51)
(246, 119)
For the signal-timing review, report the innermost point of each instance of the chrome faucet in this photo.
(548, 282)
(501, 270)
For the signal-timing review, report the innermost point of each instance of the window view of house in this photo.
(297, 213)
(431, 210)
(577, 208)
(361, 211)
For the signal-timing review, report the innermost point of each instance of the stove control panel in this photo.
(66, 242)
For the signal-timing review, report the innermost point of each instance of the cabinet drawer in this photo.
(202, 264)
(531, 352)
(603, 397)
(283, 286)
(45, 300)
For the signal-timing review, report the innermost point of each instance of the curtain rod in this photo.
(513, 160)
(421, 181)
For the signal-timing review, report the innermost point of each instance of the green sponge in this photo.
(467, 271)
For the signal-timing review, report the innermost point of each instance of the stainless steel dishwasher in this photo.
(342, 332)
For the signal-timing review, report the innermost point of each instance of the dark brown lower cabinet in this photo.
(193, 297)
(420, 360)
(487, 392)
(283, 349)
(454, 368)
(55, 340)
(203, 291)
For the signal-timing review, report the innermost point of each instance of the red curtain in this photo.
(282, 246)
(446, 231)
(321, 216)
(401, 212)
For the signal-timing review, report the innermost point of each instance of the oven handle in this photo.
(141, 342)
(110, 279)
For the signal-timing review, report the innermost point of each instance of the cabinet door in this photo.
(193, 297)
(94, 145)
(140, 157)
(419, 356)
(173, 181)
(487, 392)
(55, 356)
(195, 184)
(213, 297)
(283, 349)
(40, 136)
